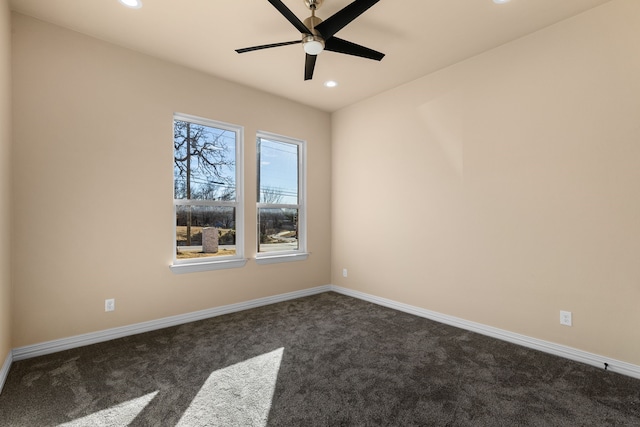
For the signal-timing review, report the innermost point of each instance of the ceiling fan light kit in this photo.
(313, 45)
(318, 35)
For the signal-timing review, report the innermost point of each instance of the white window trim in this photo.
(193, 265)
(300, 254)
(207, 266)
(281, 257)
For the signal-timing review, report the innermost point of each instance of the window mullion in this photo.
(277, 206)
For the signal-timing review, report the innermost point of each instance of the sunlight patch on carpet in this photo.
(119, 415)
(238, 395)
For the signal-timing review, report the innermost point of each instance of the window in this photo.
(207, 176)
(281, 199)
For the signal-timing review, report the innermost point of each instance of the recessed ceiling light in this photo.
(501, 1)
(134, 4)
(331, 83)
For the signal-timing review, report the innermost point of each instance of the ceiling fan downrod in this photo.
(313, 44)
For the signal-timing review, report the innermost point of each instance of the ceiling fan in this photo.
(318, 35)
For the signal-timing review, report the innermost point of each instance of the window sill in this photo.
(207, 266)
(274, 259)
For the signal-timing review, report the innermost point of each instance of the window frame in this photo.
(190, 265)
(289, 255)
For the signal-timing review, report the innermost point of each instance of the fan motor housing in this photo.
(311, 23)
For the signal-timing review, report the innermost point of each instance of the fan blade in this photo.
(309, 65)
(267, 46)
(286, 12)
(340, 19)
(335, 44)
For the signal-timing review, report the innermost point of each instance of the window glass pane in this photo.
(204, 166)
(205, 231)
(278, 177)
(278, 229)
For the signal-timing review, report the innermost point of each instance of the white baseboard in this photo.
(618, 366)
(54, 346)
(49, 347)
(4, 370)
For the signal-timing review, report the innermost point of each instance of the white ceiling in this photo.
(417, 36)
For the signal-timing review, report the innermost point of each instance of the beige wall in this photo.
(5, 180)
(504, 189)
(93, 185)
(500, 190)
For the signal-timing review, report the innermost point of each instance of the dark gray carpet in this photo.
(325, 360)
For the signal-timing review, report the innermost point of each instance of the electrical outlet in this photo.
(565, 318)
(344, 272)
(109, 304)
